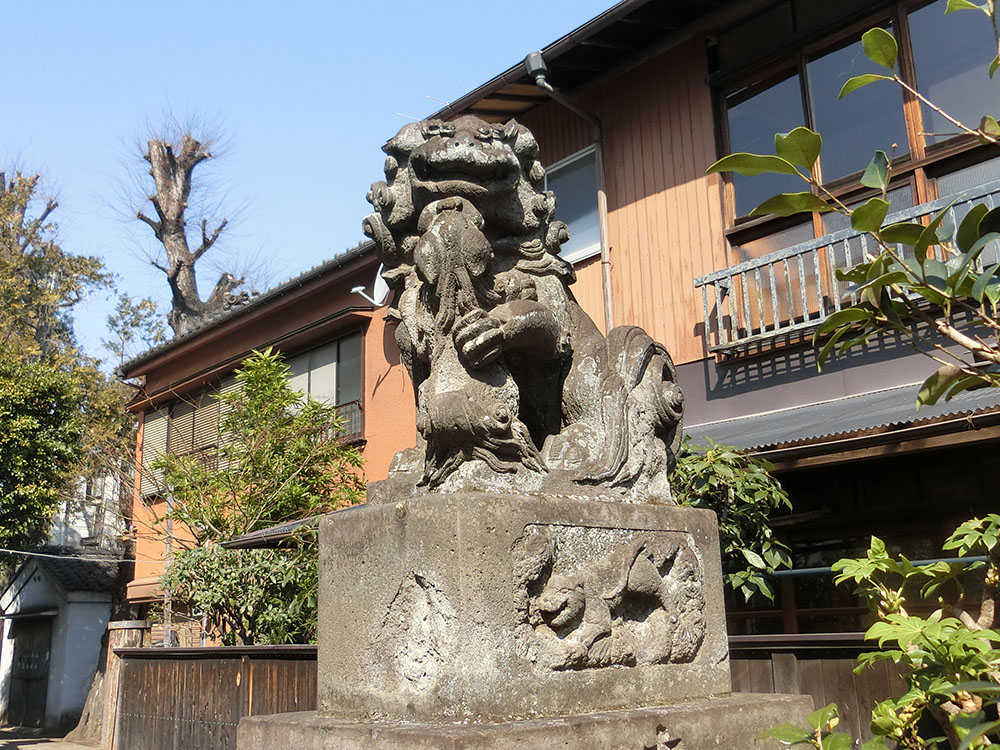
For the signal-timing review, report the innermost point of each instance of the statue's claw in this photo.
(479, 338)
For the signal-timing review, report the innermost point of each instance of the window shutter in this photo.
(349, 370)
(154, 445)
(298, 379)
(206, 423)
(228, 385)
(180, 437)
(323, 373)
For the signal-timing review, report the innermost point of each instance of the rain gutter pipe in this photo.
(535, 66)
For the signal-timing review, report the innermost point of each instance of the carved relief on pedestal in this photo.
(592, 597)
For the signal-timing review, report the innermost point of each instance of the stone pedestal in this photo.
(726, 723)
(498, 621)
(485, 607)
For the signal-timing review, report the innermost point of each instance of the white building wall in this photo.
(77, 631)
(76, 645)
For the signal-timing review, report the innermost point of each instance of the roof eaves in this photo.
(551, 52)
(126, 369)
(893, 404)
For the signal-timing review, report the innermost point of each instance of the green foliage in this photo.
(821, 735)
(40, 283)
(259, 596)
(880, 47)
(743, 494)
(41, 430)
(135, 325)
(950, 659)
(279, 460)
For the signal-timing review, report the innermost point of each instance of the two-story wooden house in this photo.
(630, 109)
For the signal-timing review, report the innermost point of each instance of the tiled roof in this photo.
(92, 570)
(295, 281)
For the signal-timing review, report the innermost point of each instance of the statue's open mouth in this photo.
(463, 168)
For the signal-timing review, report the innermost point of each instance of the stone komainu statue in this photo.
(516, 387)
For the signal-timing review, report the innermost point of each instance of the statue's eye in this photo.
(484, 133)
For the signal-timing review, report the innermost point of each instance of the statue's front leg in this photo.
(478, 338)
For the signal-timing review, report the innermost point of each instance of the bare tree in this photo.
(172, 166)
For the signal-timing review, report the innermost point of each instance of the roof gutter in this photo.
(535, 66)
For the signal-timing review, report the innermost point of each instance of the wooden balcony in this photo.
(783, 296)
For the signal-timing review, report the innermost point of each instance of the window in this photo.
(853, 128)
(332, 373)
(949, 56)
(574, 181)
(189, 426)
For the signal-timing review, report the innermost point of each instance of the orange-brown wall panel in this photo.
(664, 213)
(389, 411)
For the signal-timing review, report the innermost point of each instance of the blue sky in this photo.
(303, 93)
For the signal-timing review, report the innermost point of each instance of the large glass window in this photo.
(574, 181)
(854, 127)
(753, 121)
(330, 373)
(950, 56)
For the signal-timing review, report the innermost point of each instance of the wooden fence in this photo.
(820, 665)
(192, 699)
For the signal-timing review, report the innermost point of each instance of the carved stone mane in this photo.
(515, 385)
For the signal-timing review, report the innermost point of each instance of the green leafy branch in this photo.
(950, 659)
(740, 490)
(822, 734)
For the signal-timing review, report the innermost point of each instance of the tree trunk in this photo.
(172, 169)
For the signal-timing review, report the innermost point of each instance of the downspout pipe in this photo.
(535, 65)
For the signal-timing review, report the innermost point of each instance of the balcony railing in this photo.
(354, 421)
(783, 295)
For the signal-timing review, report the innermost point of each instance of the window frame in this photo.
(918, 168)
(583, 253)
(351, 435)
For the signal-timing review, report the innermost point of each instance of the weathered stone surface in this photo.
(730, 722)
(516, 387)
(478, 606)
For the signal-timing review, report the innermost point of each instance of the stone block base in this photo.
(478, 607)
(732, 722)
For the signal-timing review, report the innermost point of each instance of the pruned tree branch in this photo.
(172, 166)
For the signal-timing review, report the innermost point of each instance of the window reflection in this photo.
(854, 127)
(951, 54)
(752, 125)
(574, 181)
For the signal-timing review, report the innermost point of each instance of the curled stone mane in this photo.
(515, 385)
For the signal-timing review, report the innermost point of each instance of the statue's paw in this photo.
(478, 338)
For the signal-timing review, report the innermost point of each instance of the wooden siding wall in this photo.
(664, 214)
(194, 698)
